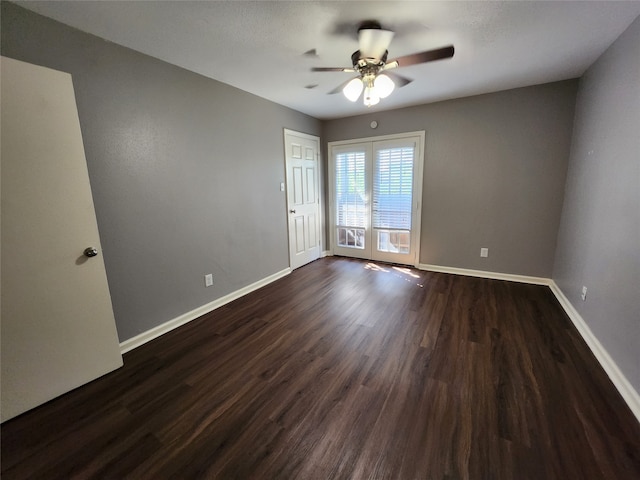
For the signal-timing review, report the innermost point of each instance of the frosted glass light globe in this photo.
(353, 89)
(371, 97)
(383, 85)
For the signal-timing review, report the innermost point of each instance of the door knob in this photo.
(90, 252)
(292, 211)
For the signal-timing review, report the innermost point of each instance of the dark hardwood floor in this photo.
(346, 370)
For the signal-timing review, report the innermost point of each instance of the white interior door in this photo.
(376, 187)
(58, 328)
(303, 197)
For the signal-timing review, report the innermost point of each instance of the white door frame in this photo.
(417, 194)
(293, 261)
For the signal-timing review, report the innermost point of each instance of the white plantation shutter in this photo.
(350, 189)
(392, 188)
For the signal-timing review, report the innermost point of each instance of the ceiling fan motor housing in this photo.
(367, 65)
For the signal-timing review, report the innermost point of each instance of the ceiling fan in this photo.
(371, 65)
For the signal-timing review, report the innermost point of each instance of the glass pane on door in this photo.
(351, 206)
(393, 199)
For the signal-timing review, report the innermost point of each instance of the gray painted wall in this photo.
(494, 174)
(185, 171)
(599, 236)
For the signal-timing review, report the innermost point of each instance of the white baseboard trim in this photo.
(326, 253)
(482, 274)
(155, 332)
(623, 385)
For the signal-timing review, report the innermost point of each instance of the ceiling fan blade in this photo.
(374, 42)
(333, 69)
(398, 80)
(340, 87)
(423, 57)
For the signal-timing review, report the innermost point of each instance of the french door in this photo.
(376, 187)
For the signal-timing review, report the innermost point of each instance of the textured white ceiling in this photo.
(258, 46)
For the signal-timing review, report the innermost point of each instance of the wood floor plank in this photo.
(346, 369)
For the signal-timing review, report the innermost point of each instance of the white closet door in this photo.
(58, 328)
(302, 154)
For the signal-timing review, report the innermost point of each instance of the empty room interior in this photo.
(320, 240)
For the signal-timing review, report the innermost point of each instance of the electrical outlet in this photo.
(484, 252)
(208, 280)
(583, 295)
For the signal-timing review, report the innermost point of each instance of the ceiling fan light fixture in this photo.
(371, 97)
(353, 89)
(370, 63)
(383, 85)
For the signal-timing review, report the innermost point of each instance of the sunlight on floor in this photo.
(374, 267)
(401, 272)
(406, 271)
